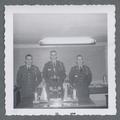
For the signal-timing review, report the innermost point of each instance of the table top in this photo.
(98, 90)
(27, 103)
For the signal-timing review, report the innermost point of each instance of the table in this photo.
(69, 104)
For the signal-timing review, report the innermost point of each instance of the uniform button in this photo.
(29, 76)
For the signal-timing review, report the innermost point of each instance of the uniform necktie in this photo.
(54, 66)
(28, 67)
(80, 68)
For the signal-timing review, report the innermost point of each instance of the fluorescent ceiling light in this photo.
(67, 41)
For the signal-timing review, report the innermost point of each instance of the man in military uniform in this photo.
(80, 78)
(54, 75)
(28, 78)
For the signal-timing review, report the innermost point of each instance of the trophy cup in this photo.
(43, 96)
(66, 87)
(40, 93)
(36, 97)
(75, 95)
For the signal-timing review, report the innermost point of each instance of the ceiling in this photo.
(30, 28)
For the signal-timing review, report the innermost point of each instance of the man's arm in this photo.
(88, 75)
(18, 78)
(71, 76)
(62, 73)
(38, 75)
(45, 74)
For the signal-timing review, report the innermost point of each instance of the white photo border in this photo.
(69, 9)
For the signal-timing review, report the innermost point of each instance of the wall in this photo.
(94, 56)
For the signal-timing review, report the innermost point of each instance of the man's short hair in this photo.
(53, 51)
(28, 55)
(79, 56)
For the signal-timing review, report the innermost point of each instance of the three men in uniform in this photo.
(54, 74)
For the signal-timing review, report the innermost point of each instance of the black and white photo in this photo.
(60, 59)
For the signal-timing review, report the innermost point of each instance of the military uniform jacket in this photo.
(80, 77)
(50, 70)
(28, 79)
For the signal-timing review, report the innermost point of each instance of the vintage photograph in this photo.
(60, 60)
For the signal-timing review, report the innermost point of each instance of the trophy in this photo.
(43, 96)
(40, 93)
(74, 94)
(35, 98)
(66, 87)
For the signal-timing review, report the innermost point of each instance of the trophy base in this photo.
(55, 102)
(68, 99)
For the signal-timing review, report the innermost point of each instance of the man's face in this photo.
(28, 60)
(53, 56)
(80, 60)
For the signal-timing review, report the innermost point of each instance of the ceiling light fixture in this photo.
(67, 41)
